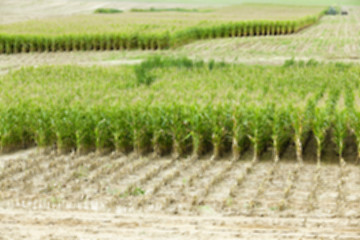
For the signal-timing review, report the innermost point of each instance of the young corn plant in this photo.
(281, 131)
(251, 28)
(354, 125)
(350, 98)
(41, 128)
(142, 129)
(259, 126)
(332, 101)
(340, 132)
(121, 130)
(180, 130)
(14, 129)
(300, 125)
(199, 130)
(320, 126)
(240, 140)
(84, 133)
(220, 121)
(63, 125)
(102, 131)
(353, 117)
(161, 125)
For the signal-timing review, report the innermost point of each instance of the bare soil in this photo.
(103, 197)
(55, 224)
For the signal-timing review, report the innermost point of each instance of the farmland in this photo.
(131, 30)
(151, 120)
(279, 155)
(77, 192)
(319, 42)
(143, 118)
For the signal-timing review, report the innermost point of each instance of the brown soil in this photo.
(101, 197)
(55, 224)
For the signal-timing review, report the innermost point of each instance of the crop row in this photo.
(188, 109)
(179, 129)
(147, 38)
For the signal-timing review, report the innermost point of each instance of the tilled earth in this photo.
(104, 197)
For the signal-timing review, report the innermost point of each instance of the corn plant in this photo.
(120, 128)
(103, 138)
(63, 125)
(180, 130)
(161, 125)
(300, 125)
(84, 133)
(199, 130)
(142, 131)
(281, 131)
(259, 124)
(320, 126)
(41, 127)
(192, 106)
(340, 132)
(85, 33)
(354, 125)
(240, 140)
(220, 122)
(14, 132)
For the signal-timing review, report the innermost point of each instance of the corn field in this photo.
(138, 31)
(189, 108)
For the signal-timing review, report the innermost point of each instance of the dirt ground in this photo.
(103, 197)
(28, 224)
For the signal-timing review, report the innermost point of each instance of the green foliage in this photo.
(281, 130)
(152, 9)
(340, 130)
(293, 63)
(193, 107)
(144, 74)
(162, 34)
(108, 10)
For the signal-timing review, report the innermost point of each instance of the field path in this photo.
(25, 224)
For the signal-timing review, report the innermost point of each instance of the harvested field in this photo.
(94, 197)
